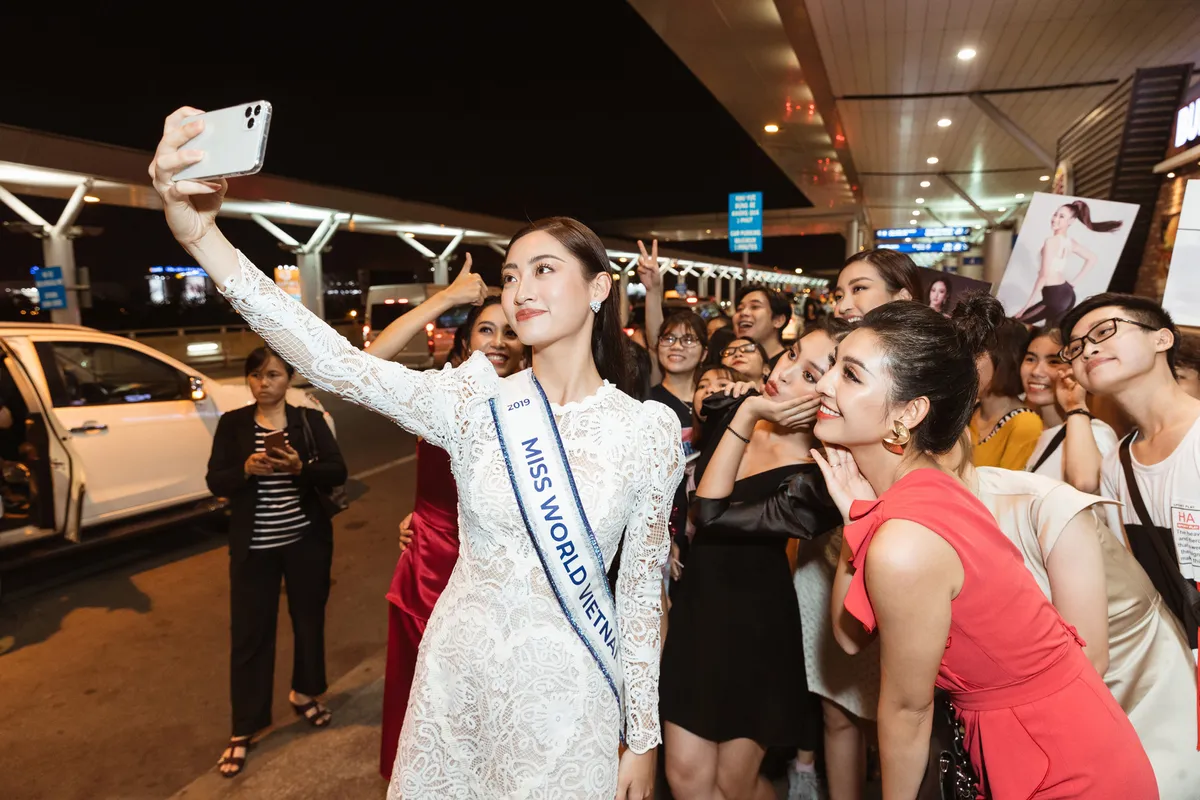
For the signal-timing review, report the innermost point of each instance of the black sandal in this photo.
(313, 713)
(239, 763)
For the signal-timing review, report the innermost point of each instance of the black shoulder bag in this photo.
(948, 775)
(1154, 548)
(1050, 448)
(333, 501)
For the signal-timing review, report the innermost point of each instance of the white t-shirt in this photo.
(1171, 492)
(1106, 440)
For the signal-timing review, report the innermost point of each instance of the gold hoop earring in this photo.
(899, 439)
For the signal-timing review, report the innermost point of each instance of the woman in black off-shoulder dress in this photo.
(733, 680)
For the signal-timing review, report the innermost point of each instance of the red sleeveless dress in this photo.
(1040, 723)
(421, 574)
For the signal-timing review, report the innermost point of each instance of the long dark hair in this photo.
(1079, 209)
(609, 350)
(930, 356)
(462, 334)
(895, 268)
(258, 358)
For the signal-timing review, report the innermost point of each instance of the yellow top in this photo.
(1011, 443)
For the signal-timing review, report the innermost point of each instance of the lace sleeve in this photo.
(429, 404)
(639, 583)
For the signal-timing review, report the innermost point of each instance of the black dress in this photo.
(733, 664)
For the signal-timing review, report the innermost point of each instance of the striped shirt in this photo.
(278, 516)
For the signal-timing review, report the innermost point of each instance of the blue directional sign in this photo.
(928, 247)
(930, 233)
(52, 294)
(745, 222)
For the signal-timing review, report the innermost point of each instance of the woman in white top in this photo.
(1097, 585)
(1073, 444)
(513, 695)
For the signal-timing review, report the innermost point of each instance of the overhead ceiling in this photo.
(881, 75)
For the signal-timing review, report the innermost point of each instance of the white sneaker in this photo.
(805, 785)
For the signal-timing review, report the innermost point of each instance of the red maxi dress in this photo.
(421, 575)
(1039, 721)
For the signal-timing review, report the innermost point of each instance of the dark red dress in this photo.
(1040, 723)
(421, 575)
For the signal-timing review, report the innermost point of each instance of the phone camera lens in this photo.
(257, 110)
(250, 122)
(249, 111)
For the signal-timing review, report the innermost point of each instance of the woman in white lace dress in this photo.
(508, 701)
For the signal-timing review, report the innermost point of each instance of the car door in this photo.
(141, 440)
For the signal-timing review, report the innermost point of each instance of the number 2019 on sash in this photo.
(518, 404)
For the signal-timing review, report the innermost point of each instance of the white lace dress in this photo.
(506, 701)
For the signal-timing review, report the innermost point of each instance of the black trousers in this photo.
(254, 610)
(1055, 303)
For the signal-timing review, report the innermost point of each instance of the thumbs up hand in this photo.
(468, 288)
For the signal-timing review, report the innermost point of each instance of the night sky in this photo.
(516, 109)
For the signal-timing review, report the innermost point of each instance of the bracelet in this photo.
(735, 433)
(1080, 411)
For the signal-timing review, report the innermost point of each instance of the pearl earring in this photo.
(595, 306)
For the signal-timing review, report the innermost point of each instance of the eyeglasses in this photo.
(687, 340)
(1105, 329)
(741, 348)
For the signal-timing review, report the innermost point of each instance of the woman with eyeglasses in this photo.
(747, 357)
(681, 350)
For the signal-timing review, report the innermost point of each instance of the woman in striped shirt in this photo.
(271, 470)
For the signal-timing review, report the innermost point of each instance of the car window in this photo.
(384, 314)
(89, 374)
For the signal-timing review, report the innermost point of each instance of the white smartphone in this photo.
(234, 141)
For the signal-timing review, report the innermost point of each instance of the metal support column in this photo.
(852, 237)
(702, 287)
(58, 246)
(997, 247)
(441, 264)
(308, 257)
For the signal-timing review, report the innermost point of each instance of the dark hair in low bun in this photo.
(977, 317)
(930, 356)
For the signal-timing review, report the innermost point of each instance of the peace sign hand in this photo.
(845, 483)
(190, 206)
(647, 268)
(468, 288)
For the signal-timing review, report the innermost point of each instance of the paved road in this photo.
(116, 684)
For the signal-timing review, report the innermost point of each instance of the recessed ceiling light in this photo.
(91, 198)
(912, 222)
(931, 160)
(708, 230)
(908, 238)
(772, 128)
(966, 54)
(1169, 175)
(916, 213)
(924, 184)
(1002, 209)
(799, 271)
(1020, 195)
(920, 200)
(1044, 178)
(944, 122)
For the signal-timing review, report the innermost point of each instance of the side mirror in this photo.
(197, 387)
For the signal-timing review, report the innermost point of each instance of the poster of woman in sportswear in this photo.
(1066, 251)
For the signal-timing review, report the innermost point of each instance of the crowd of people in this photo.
(724, 552)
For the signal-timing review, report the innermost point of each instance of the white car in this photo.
(109, 436)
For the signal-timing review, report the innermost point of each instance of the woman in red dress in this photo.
(430, 533)
(924, 562)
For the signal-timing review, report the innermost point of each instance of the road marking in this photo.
(366, 473)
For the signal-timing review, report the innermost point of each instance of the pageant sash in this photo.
(554, 517)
